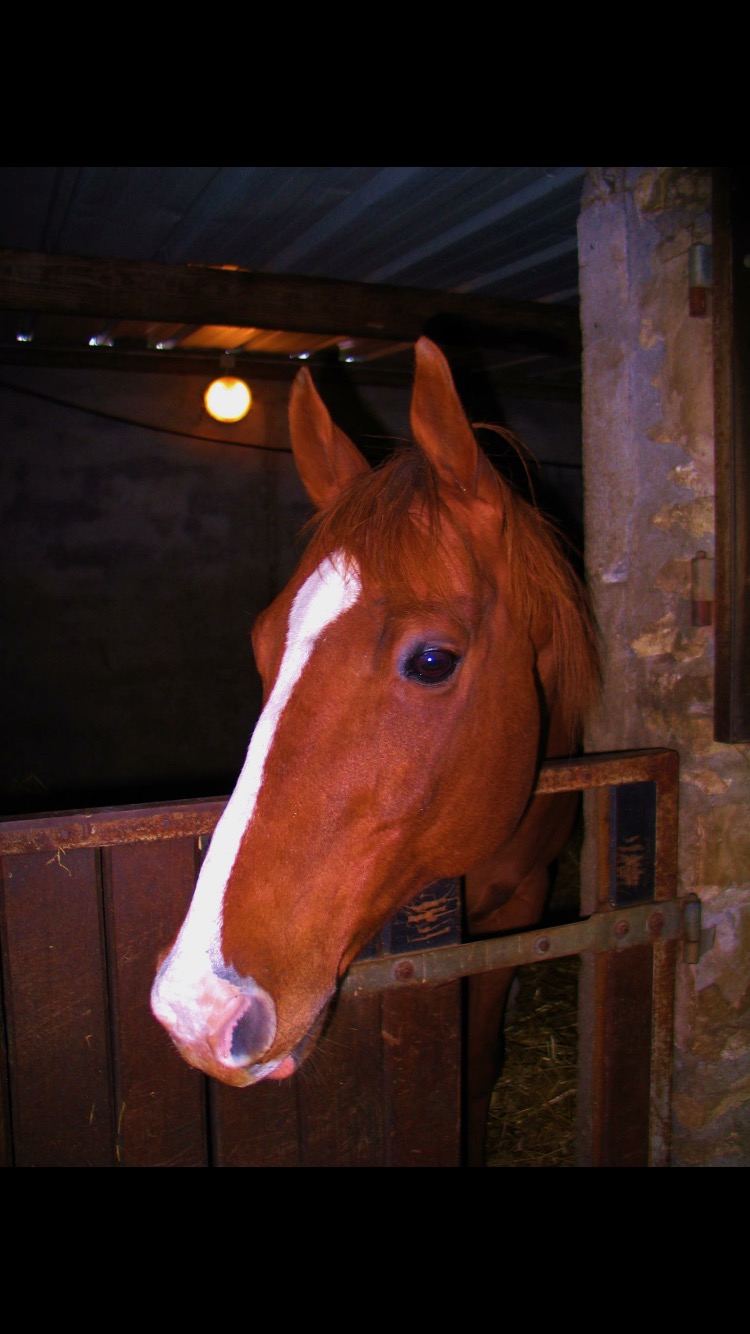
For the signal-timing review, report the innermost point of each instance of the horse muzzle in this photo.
(222, 1025)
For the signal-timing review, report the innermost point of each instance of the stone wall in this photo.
(649, 491)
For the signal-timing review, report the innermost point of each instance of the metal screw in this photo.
(403, 971)
(622, 928)
(541, 945)
(656, 922)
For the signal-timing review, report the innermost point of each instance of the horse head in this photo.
(409, 669)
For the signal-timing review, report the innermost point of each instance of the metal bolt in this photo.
(403, 971)
(541, 945)
(656, 922)
(622, 928)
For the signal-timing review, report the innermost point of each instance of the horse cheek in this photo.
(507, 776)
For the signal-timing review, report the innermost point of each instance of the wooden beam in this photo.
(129, 289)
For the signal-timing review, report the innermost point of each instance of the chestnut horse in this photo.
(433, 646)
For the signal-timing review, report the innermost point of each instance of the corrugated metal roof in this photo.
(502, 231)
(493, 232)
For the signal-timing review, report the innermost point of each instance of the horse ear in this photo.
(440, 425)
(326, 458)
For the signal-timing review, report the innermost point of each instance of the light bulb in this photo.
(227, 399)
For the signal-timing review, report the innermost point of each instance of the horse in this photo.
(432, 648)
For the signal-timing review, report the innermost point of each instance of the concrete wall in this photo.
(135, 560)
(649, 508)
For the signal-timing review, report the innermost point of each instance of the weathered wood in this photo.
(340, 1092)
(381, 1089)
(422, 1076)
(6, 1137)
(256, 1126)
(55, 989)
(111, 825)
(626, 997)
(99, 828)
(95, 1082)
(133, 289)
(329, 1115)
(159, 1100)
(608, 767)
(622, 1022)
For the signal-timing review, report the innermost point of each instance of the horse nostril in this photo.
(242, 1025)
(254, 1030)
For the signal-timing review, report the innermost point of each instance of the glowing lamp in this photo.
(227, 399)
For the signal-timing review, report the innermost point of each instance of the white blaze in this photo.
(329, 591)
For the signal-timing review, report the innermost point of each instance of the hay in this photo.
(531, 1121)
(532, 1114)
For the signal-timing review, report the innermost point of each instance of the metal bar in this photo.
(620, 930)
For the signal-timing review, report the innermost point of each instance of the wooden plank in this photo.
(55, 989)
(662, 1052)
(381, 1089)
(256, 1126)
(328, 1114)
(336, 1111)
(626, 996)
(622, 1093)
(420, 1055)
(421, 1058)
(109, 825)
(340, 1093)
(159, 1100)
(134, 289)
(96, 827)
(659, 765)
(6, 1140)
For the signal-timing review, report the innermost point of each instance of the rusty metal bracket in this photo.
(621, 929)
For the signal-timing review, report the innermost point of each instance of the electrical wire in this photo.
(217, 440)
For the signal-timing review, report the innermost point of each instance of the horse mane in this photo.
(390, 521)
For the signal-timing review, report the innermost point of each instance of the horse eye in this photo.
(431, 665)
